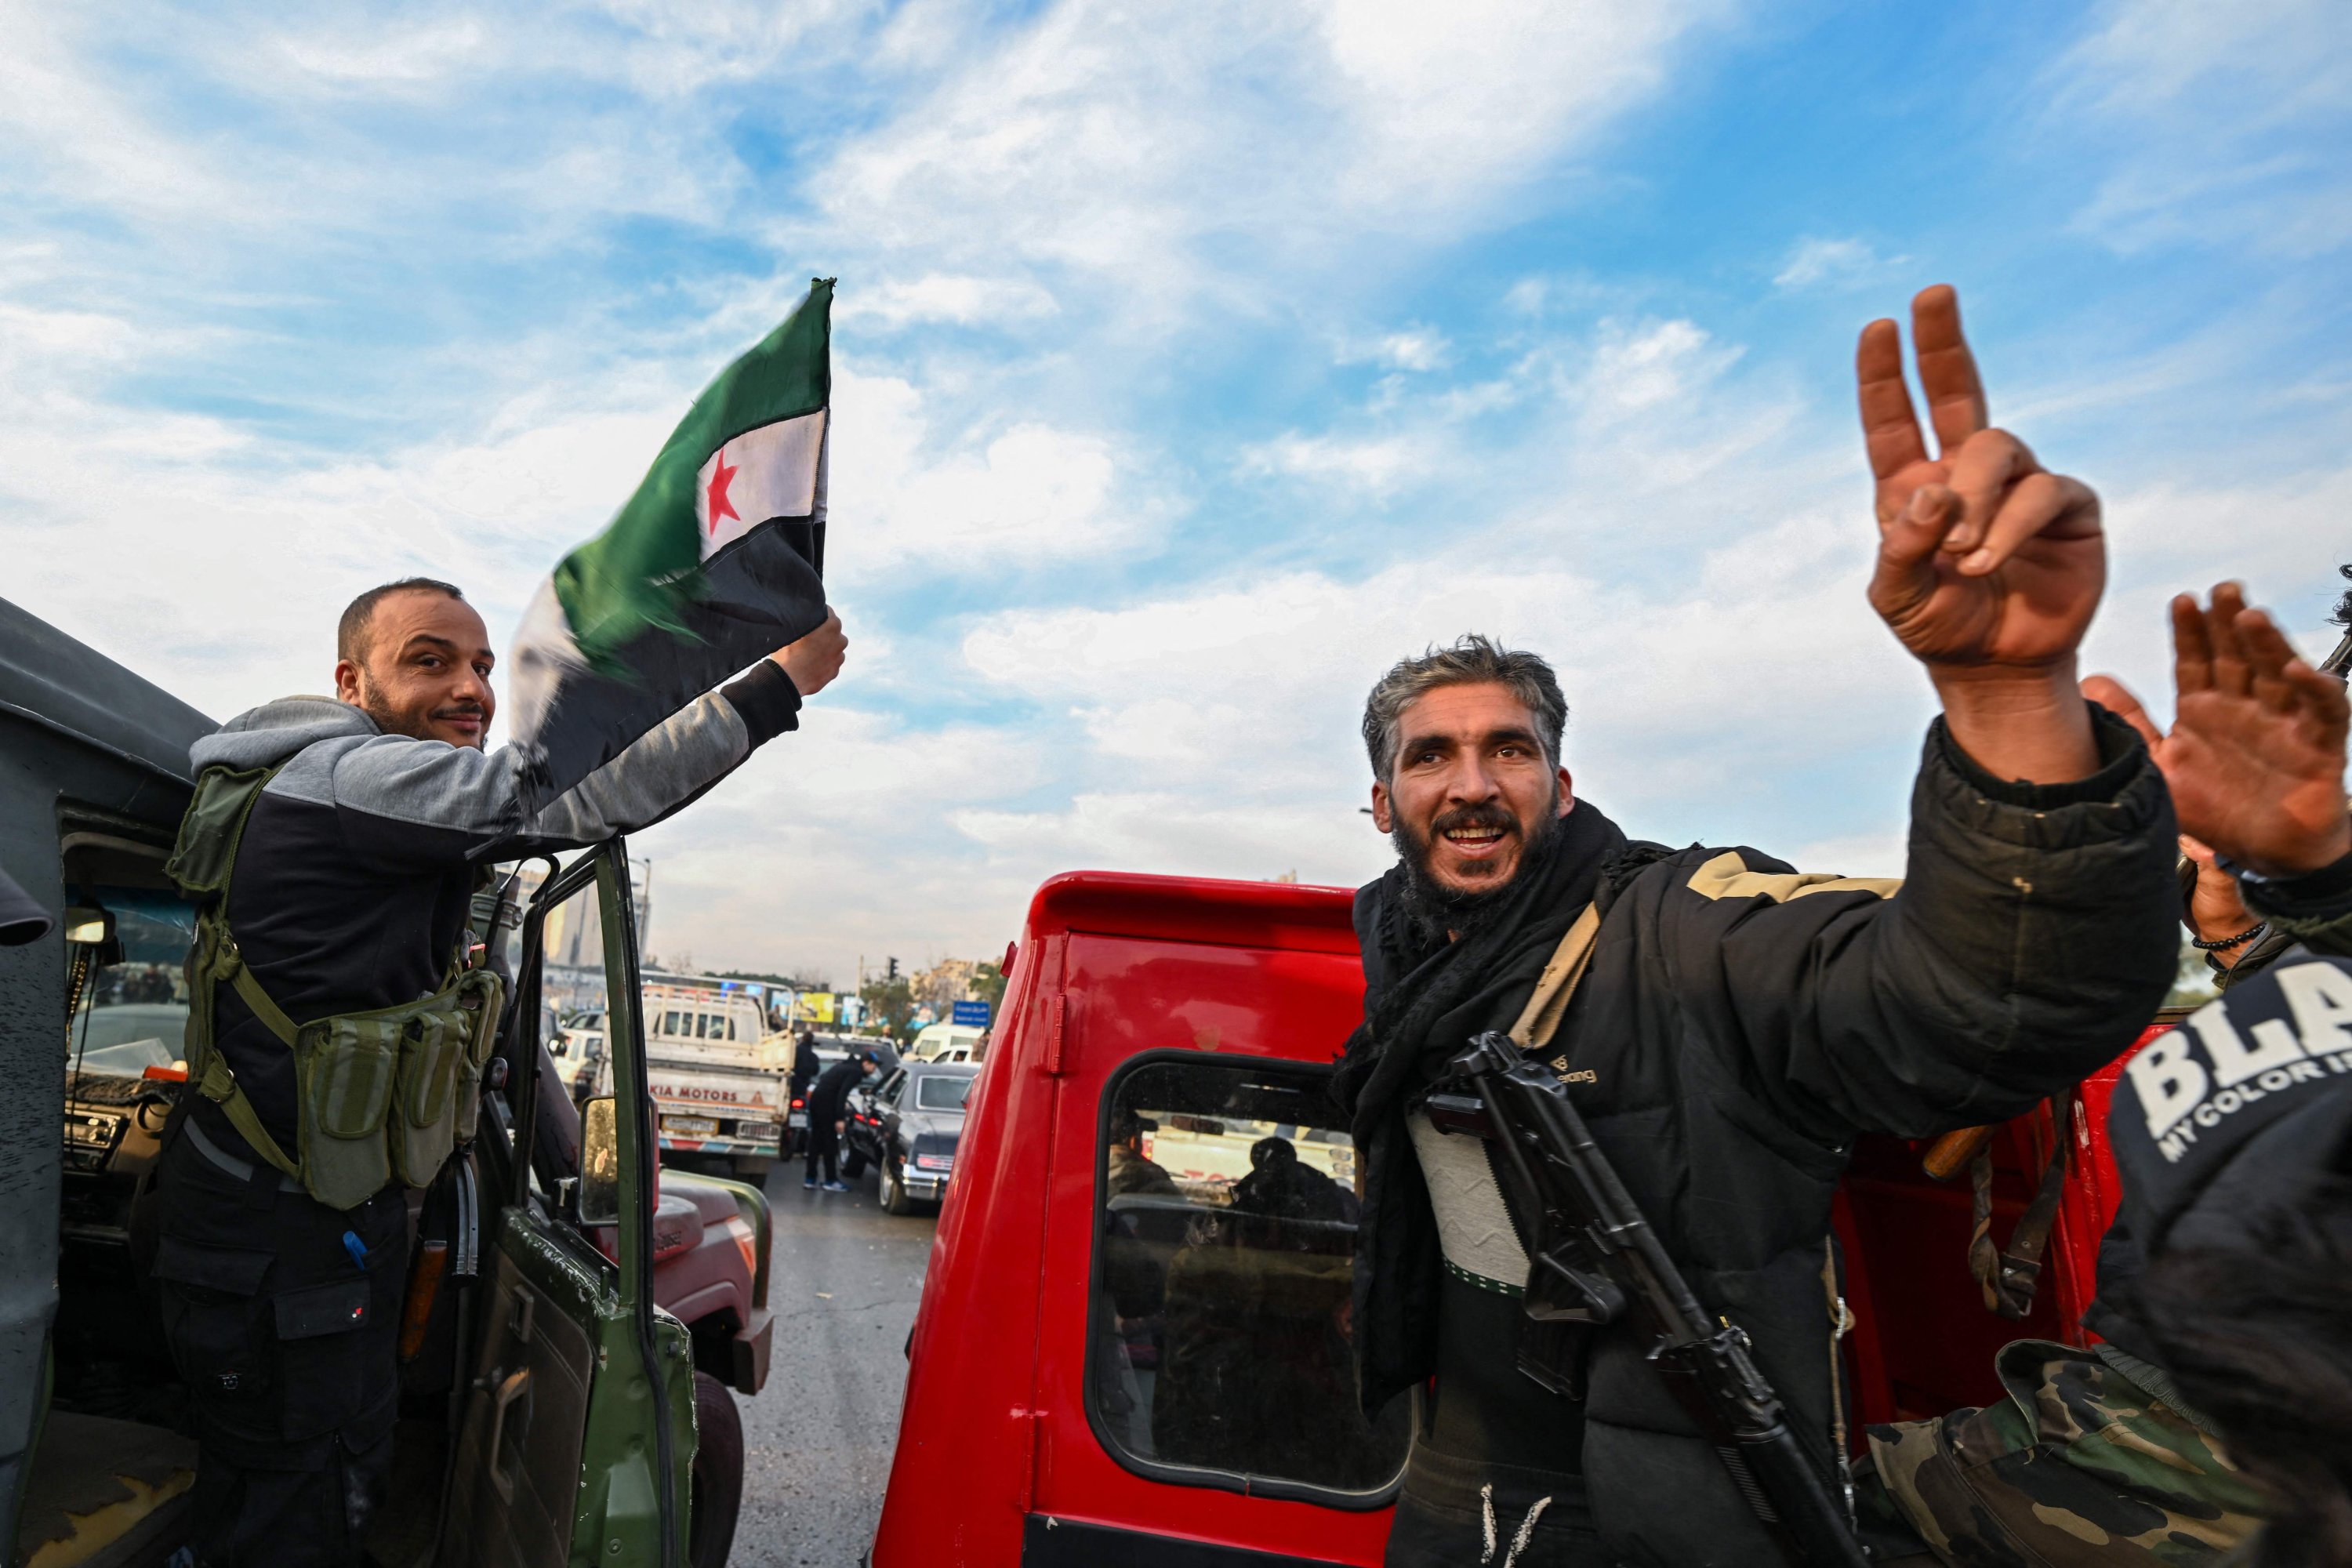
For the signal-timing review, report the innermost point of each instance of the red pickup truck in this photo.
(1110, 1365)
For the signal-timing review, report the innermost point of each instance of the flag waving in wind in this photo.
(715, 563)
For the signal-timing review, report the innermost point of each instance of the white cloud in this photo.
(412, 56)
(1372, 466)
(1455, 111)
(1638, 367)
(69, 132)
(1839, 263)
(1285, 131)
(2222, 121)
(1026, 492)
(945, 297)
(1414, 349)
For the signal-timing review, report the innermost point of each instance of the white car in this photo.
(946, 1043)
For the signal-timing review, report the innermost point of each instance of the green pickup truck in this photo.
(574, 1318)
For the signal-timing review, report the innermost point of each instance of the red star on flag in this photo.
(716, 504)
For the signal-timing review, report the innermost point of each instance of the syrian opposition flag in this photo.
(715, 563)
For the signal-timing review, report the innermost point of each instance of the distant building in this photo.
(946, 982)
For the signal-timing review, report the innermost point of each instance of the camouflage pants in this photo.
(2080, 1468)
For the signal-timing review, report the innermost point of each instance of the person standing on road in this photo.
(829, 1118)
(805, 1064)
(337, 842)
(1738, 1022)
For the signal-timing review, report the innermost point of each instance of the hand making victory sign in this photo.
(1988, 565)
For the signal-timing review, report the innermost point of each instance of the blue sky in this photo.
(1194, 360)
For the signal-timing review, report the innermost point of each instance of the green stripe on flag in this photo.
(647, 565)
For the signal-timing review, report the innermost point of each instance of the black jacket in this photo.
(832, 1089)
(357, 866)
(1743, 1022)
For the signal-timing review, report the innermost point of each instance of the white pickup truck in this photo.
(717, 1091)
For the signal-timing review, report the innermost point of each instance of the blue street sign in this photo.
(973, 1012)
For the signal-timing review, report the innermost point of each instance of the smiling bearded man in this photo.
(1736, 1023)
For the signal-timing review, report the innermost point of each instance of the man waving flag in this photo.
(717, 559)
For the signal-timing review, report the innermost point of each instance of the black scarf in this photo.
(1414, 977)
(1423, 998)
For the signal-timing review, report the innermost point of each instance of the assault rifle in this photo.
(1593, 1259)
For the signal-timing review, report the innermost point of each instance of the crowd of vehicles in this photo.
(575, 1318)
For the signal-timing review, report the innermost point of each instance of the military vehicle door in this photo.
(565, 1453)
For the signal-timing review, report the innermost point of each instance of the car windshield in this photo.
(133, 1013)
(942, 1092)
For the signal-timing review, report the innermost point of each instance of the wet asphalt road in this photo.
(844, 1281)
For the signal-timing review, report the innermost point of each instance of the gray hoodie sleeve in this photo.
(402, 803)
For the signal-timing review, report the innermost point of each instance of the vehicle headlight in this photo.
(935, 1162)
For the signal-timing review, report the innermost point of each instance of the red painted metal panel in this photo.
(992, 1425)
(1128, 995)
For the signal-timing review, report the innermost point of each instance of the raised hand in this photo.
(815, 659)
(1989, 566)
(2255, 759)
(1986, 561)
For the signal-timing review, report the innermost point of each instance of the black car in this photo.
(906, 1123)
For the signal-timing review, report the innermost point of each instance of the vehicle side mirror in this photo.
(600, 1163)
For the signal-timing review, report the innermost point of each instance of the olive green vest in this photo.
(379, 1095)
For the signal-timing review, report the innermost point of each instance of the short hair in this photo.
(1473, 660)
(356, 630)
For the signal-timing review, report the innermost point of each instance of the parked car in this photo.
(552, 1288)
(1185, 1022)
(907, 1124)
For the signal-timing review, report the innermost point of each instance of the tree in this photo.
(891, 1003)
(988, 982)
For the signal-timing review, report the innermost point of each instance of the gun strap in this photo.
(1540, 1019)
(2009, 1275)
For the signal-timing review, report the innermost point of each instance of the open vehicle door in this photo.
(577, 1435)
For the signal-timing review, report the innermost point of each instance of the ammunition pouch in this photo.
(380, 1095)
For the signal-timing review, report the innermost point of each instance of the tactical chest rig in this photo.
(379, 1095)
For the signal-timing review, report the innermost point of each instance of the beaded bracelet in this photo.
(2228, 942)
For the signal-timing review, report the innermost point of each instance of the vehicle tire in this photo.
(751, 1168)
(853, 1164)
(715, 1486)
(894, 1191)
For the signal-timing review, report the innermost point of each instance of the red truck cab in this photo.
(1119, 1356)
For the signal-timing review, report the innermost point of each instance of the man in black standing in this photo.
(1726, 1023)
(828, 1117)
(805, 1064)
(366, 821)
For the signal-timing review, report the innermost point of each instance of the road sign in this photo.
(975, 1014)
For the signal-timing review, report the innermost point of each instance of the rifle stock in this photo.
(1594, 1258)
